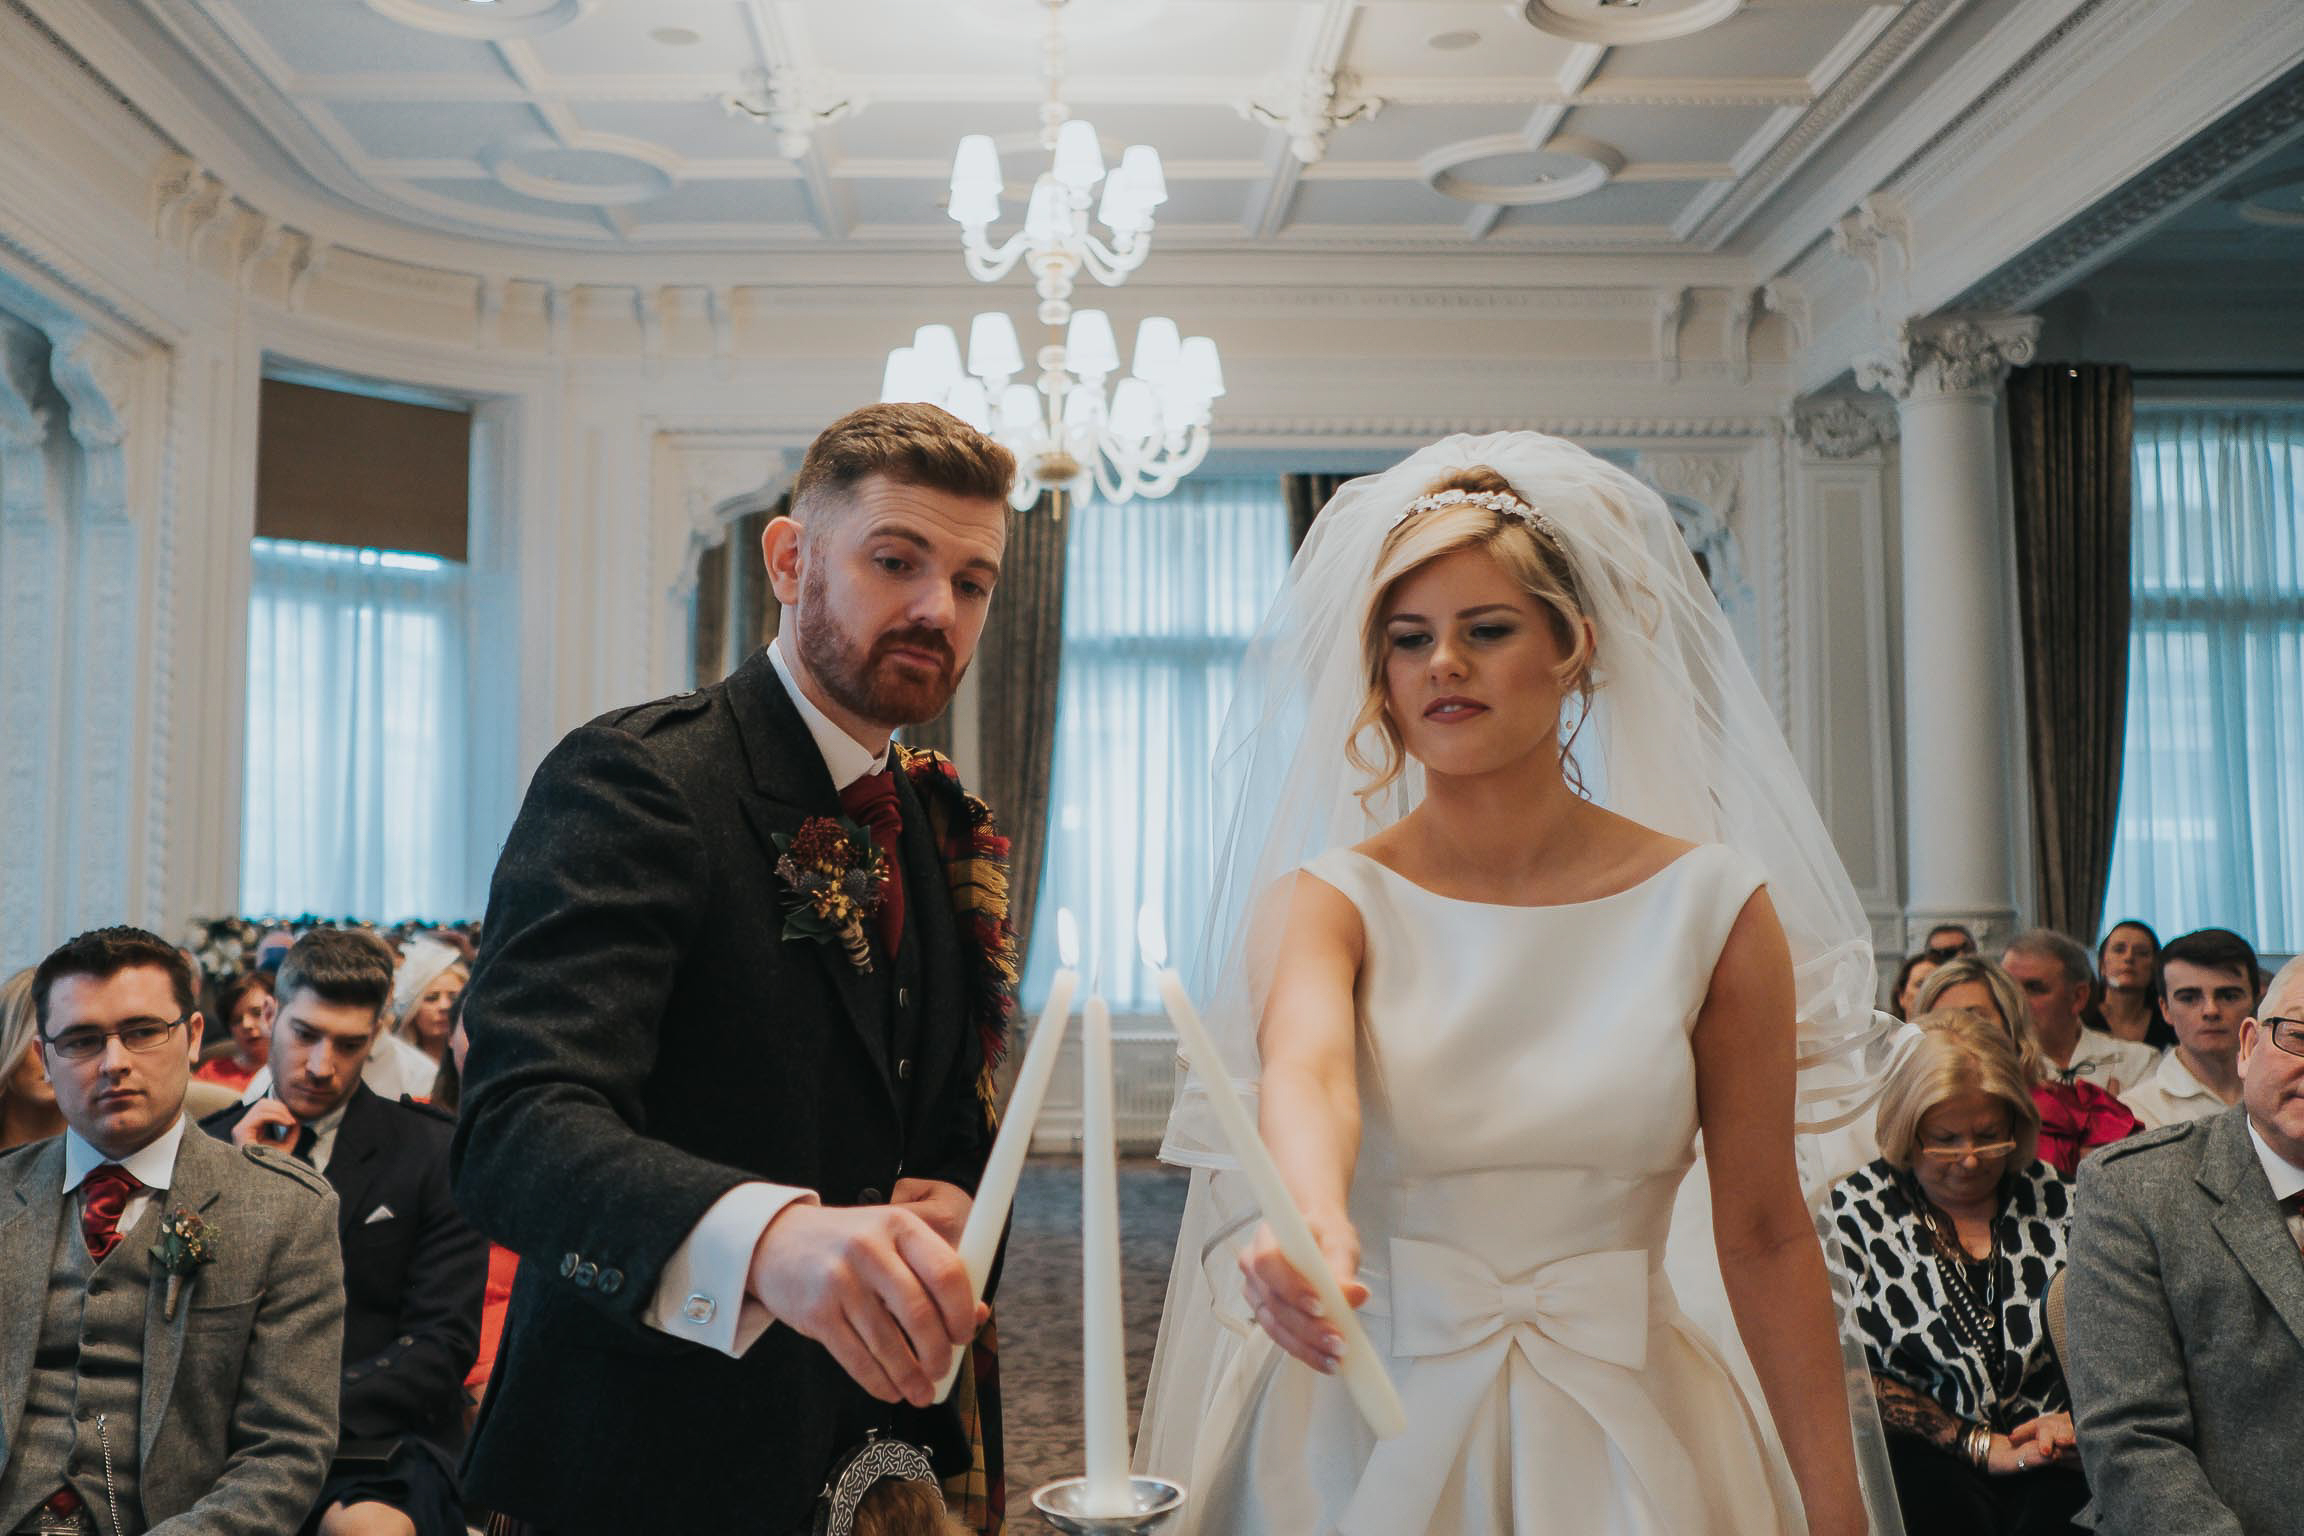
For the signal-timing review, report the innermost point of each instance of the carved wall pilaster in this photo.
(1842, 428)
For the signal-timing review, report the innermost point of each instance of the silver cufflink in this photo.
(700, 1309)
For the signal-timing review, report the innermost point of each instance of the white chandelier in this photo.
(1151, 428)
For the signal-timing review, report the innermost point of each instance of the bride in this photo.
(1524, 897)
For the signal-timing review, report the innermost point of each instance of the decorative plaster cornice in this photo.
(1956, 353)
(1239, 429)
(2176, 180)
(1845, 95)
(1841, 428)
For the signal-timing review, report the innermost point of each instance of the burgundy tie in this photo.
(104, 1194)
(871, 801)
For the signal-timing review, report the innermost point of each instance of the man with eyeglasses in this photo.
(2187, 1303)
(173, 1307)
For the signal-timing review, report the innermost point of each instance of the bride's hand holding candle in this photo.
(1287, 1305)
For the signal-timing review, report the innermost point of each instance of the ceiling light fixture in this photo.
(1066, 433)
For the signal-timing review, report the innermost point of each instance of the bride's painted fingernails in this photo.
(1313, 1307)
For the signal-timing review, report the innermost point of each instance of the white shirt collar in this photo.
(845, 758)
(2176, 1079)
(2287, 1179)
(152, 1165)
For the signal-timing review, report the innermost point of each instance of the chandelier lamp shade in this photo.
(1137, 435)
(1075, 424)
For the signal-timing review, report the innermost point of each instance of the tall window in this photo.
(1161, 599)
(2211, 825)
(357, 759)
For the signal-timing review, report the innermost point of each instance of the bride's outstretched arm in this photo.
(1310, 1113)
(1770, 1258)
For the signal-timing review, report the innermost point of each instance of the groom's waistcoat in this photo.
(88, 1365)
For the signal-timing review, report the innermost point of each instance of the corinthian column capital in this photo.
(1950, 354)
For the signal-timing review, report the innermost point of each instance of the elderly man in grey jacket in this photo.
(2186, 1305)
(173, 1306)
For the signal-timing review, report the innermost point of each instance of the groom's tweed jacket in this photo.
(643, 1040)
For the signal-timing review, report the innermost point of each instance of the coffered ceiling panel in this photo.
(657, 126)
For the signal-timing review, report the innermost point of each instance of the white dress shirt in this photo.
(2172, 1093)
(2287, 1182)
(701, 1294)
(152, 1165)
(2101, 1058)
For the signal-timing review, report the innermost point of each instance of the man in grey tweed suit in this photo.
(2186, 1305)
(131, 1400)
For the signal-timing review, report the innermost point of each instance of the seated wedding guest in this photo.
(2207, 987)
(413, 1271)
(2127, 1005)
(173, 1305)
(2075, 1117)
(2058, 981)
(393, 1068)
(1949, 941)
(247, 1006)
(1947, 1244)
(1918, 967)
(2186, 1304)
(28, 1109)
(430, 978)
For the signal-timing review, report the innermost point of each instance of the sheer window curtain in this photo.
(2212, 795)
(358, 715)
(1161, 599)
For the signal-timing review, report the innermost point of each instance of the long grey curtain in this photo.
(1020, 660)
(1307, 493)
(2071, 429)
(736, 611)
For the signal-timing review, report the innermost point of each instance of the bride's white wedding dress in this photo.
(1529, 1112)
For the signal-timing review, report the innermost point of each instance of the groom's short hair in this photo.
(911, 444)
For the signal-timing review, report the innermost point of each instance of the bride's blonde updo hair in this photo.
(1530, 558)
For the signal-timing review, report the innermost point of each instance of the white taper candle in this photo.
(1364, 1374)
(1104, 1385)
(996, 1190)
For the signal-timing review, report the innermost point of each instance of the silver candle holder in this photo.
(1153, 1502)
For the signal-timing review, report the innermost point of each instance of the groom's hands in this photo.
(876, 1285)
(1286, 1305)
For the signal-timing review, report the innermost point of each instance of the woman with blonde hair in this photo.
(1522, 891)
(425, 986)
(1949, 1241)
(2075, 1117)
(28, 1109)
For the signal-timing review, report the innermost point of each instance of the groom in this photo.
(733, 1146)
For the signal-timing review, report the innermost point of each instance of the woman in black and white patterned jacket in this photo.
(1948, 1242)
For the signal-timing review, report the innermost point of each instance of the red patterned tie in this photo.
(871, 801)
(104, 1194)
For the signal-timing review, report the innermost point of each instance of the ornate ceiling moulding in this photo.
(485, 22)
(1618, 22)
(589, 174)
(1506, 169)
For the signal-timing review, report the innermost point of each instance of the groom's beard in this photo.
(864, 679)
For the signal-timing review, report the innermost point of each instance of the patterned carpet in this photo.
(1039, 1303)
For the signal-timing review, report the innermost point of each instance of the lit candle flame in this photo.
(1151, 937)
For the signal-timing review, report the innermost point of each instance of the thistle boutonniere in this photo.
(186, 1243)
(834, 877)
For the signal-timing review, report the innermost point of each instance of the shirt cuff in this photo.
(702, 1295)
